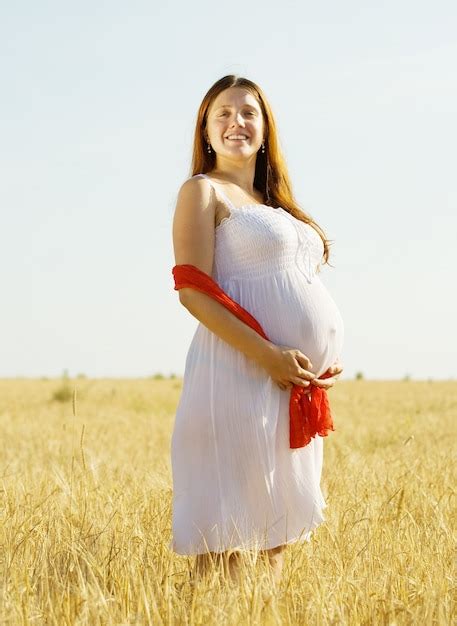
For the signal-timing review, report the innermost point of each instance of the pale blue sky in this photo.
(98, 107)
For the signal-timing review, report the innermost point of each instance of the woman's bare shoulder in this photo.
(196, 191)
(193, 224)
(196, 195)
(193, 183)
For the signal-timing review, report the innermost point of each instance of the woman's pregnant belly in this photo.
(295, 313)
(320, 327)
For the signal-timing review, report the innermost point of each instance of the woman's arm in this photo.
(193, 241)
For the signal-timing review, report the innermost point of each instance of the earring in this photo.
(263, 148)
(209, 148)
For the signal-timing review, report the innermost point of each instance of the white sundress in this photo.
(236, 482)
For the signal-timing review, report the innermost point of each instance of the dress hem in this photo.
(300, 538)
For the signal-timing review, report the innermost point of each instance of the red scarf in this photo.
(309, 412)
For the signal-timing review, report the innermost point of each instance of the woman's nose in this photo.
(238, 120)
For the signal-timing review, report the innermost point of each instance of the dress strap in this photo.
(218, 192)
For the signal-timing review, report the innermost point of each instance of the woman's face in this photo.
(233, 113)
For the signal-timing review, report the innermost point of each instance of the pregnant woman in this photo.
(238, 483)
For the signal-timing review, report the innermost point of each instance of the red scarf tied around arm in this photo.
(309, 411)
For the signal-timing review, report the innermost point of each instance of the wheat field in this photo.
(85, 512)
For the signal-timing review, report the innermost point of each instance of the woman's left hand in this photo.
(325, 383)
(333, 375)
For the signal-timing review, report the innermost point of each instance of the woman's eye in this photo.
(247, 113)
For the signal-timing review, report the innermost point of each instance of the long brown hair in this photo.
(271, 175)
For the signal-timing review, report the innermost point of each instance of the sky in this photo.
(98, 108)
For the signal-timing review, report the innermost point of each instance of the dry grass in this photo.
(85, 512)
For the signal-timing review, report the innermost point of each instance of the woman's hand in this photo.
(333, 375)
(288, 367)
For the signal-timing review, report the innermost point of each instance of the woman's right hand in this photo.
(288, 367)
